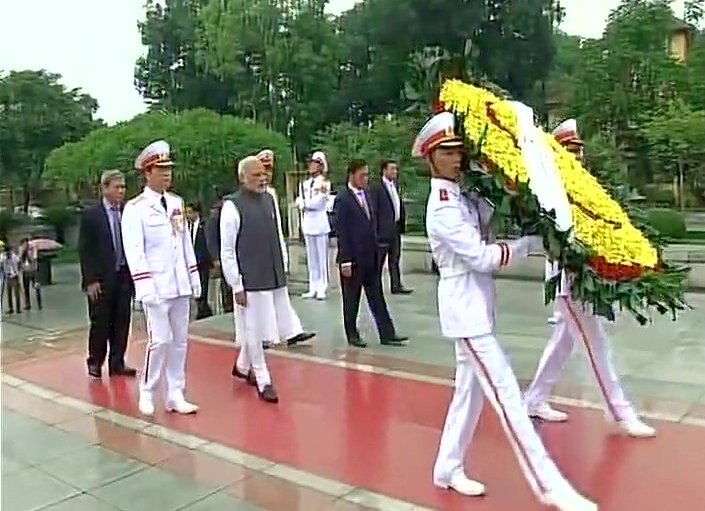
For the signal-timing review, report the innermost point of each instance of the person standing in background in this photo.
(391, 222)
(358, 258)
(106, 278)
(197, 233)
(313, 203)
(163, 267)
(28, 259)
(10, 265)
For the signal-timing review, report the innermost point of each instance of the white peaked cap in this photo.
(439, 131)
(567, 133)
(266, 156)
(320, 157)
(157, 153)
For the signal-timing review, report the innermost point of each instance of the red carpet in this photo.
(381, 433)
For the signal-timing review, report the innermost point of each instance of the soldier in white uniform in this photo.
(467, 256)
(160, 256)
(313, 201)
(575, 322)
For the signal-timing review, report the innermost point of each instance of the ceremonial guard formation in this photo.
(575, 322)
(466, 255)
(313, 202)
(163, 267)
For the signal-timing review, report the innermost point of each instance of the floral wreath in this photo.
(612, 255)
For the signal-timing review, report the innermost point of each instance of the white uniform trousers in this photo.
(482, 368)
(167, 330)
(317, 263)
(574, 323)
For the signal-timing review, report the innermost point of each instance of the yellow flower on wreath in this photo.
(599, 222)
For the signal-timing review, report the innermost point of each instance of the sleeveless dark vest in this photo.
(258, 250)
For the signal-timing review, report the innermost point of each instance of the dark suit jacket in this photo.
(357, 234)
(387, 228)
(95, 246)
(200, 247)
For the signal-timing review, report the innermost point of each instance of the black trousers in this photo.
(12, 287)
(370, 280)
(29, 281)
(203, 309)
(391, 252)
(110, 321)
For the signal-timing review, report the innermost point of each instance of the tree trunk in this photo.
(681, 198)
(26, 198)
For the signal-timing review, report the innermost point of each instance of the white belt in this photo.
(447, 273)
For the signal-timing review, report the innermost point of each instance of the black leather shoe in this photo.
(357, 342)
(268, 394)
(402, 291)
(302, 337)
(123, 371)
(95, 372)
(266, 345)
(397, 340)
(249, 377)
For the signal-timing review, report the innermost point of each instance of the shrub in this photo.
(670, 223)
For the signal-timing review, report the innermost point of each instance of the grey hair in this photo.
(244, 164)
(110, 176)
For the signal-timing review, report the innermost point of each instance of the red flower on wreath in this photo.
(439, 107)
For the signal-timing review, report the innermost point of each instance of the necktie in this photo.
(163, 201)
(363, 202)
(117, 238)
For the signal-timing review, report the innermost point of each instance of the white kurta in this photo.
(269, 315)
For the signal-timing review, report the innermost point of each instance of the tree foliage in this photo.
(38, 114)
(205, 149)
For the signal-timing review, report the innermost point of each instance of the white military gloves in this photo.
(196, 291)
(522, 247)
(151, 299)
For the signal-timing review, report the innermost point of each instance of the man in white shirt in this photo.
(251, 257)
(391, 222)
(313, 202)
(163, 267)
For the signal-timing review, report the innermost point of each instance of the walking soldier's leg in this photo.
(459, 428)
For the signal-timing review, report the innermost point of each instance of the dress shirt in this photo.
(394, 194)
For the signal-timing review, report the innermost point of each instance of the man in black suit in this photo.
(197, 233)
(358, 257)
(391, 222)
(106, 279)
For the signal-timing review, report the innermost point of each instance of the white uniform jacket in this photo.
(158, 247)
(229, 233)
(466, 259)
(273, 192)
(313, 201)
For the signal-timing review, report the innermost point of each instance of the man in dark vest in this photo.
(252, 261)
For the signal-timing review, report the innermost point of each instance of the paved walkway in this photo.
(354, 430)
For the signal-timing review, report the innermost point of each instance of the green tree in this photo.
(38, 114)
(281, 58)
(205, 148)
(170, 76)
(675, 136)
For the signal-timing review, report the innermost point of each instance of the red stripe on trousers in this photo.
(591, 357)
(505, 415)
